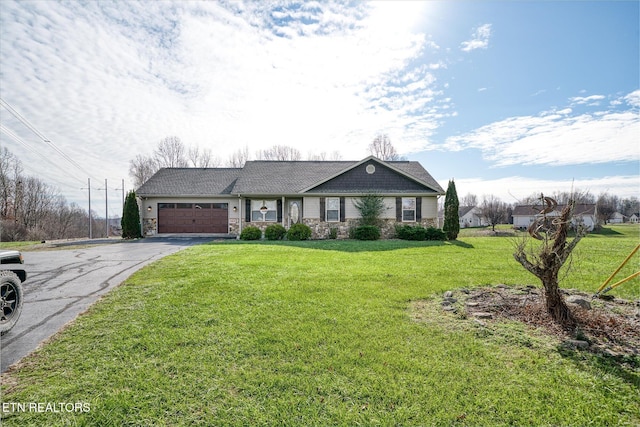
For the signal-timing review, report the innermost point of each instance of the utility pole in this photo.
(90, 218)
(118, 189)
(106, 208)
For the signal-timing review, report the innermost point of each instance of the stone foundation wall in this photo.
(234, 228)
(322, 230)
(149, 227)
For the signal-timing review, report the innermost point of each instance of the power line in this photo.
(40, 135)
(16, 138)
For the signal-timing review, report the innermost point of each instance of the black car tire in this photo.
(10, 300)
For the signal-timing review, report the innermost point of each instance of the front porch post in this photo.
(283, 211)
(239, 216)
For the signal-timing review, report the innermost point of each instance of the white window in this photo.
(333, 209)
(264, 210)
(409, 209)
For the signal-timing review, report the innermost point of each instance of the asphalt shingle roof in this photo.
(275, 177)
(190, 182)
(263, 177)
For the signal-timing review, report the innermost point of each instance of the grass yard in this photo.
(321, 333)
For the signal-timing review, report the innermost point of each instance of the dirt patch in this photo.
(606, 326)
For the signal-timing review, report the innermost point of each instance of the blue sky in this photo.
(508, 98)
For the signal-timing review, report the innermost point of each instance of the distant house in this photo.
(470, 216)
(320, 194)
(524, 215)
(616, 218)
(634, 218)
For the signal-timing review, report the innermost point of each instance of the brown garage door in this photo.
(193, 218)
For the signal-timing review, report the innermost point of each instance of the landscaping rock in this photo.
(445, 303)
(473, 304)
(451, 299)
(483, 315)
(610, 353)
(579, 301)
(448, 294)
(573, 344)
(449, 308)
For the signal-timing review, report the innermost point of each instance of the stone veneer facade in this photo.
(322, 230)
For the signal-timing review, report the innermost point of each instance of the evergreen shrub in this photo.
(367, 232)
(432, 233)
(275, 232)
(251, 233)
(299, 232)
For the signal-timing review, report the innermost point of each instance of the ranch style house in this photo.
(584, 214)
(320, 194)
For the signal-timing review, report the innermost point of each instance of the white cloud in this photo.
(633, 98)
(513, 189)
(106, 81)
(479, 40)
(589, 100)
(556, 138)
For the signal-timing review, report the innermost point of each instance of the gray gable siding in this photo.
(358, 180)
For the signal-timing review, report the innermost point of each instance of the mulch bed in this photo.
(611, 327)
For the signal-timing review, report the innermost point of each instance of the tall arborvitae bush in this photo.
(130, 217)
(451, 219)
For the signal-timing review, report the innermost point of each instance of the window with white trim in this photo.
(333, 209)
(409, 209)
(264, 210)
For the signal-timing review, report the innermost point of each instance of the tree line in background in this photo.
(171, 152)
(494, 211)
(31, 209)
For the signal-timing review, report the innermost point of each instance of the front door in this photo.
(295, 212)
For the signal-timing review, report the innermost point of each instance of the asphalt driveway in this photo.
(63, 283)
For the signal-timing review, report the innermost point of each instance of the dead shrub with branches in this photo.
(545, 259)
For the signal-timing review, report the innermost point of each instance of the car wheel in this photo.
(10, 300)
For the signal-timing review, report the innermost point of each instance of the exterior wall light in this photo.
(149, 208)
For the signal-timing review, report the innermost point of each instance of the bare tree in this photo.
(382, 148)
(494, 211)
(37, 200)
(630, 206)
(10, 175)
(141, 169)
(32, 209)
(323, 156)
(606, 206)
(239, 158)
(469, 200)
(202, 158)
(545, 260)
(317, 157)
(170, 153)
(579, 197)
(279, 152)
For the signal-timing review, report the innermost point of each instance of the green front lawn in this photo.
(321, 333)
